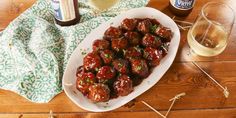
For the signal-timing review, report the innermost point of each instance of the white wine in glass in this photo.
(209, 34)
(207, 39)
(103, 4)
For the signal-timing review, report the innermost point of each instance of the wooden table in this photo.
(203, 98)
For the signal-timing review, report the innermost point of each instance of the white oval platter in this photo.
(76, 59)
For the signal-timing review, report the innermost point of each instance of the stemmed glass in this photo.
(103, 4)
(210, 32)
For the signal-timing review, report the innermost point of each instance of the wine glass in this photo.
(102, 4)
(210, 32)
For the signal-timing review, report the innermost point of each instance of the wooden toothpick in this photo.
(178, 96)
(51, 114)
(225, 90)
(153, 109)
(181, 27)
(185, 27)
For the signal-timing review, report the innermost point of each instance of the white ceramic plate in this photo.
(76, 59)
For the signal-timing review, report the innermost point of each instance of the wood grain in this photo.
(206, 113)
(184, 52)
(201, 93)
(10, 9)
(203, 99)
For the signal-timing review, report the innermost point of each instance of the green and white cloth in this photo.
(34, 51)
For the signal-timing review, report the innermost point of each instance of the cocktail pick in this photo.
(186, 26)
(153, 109)
(225, 90)
(51, 114)
(172, 104)
(178, 96)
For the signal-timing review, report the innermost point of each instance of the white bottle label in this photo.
(64, 10)
(183, 4)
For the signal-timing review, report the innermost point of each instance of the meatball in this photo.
(164, 33)
(107, 56)
(121, 65)
(164, 48)
(112, 32)
(153, 55)
(151, 41)
(123, 85)
(118, 44)
(134, 38)
(144, 26)
(79, 71)
(133, 52)
(92, 62)
(155, 22)
(129, 24)
(105, 73)
(99, 93)
(139, 67)
(100, 45)
(84, 81)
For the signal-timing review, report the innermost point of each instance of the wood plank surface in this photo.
(10, 9)
(201, 93)
(184, 53)
(206, 113)
(203, 99)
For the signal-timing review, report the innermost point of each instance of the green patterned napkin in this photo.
(34, 51)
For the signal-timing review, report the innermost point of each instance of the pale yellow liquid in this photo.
(103, 4)
(207, 39)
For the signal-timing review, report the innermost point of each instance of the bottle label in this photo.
(64, 10)
(183, 4)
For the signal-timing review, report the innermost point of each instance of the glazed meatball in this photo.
(123, 85)
(144, 26)
(121, 65)
(84, 81)
(119, 44)
(99, 93)
(112, 32)
(164, 48)
(105, 73)
(92, 62)
(129, 24)
(139, 67)
(164, 33)
(79, 71)
(133, 52)
(107, 56)
(124, 56)
(151, 41)
(100, 45)
(155, 22)
(153, 55)
(134, 38)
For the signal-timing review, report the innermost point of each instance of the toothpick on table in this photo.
(153, 109)
(185, 22)
(189, 24)
(180, 27)
(178, 96)
(225, 90)
(51, 114)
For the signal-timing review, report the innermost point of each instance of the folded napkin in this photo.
(34, 51)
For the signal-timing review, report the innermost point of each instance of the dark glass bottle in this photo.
(181, 7)
(66, 12)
